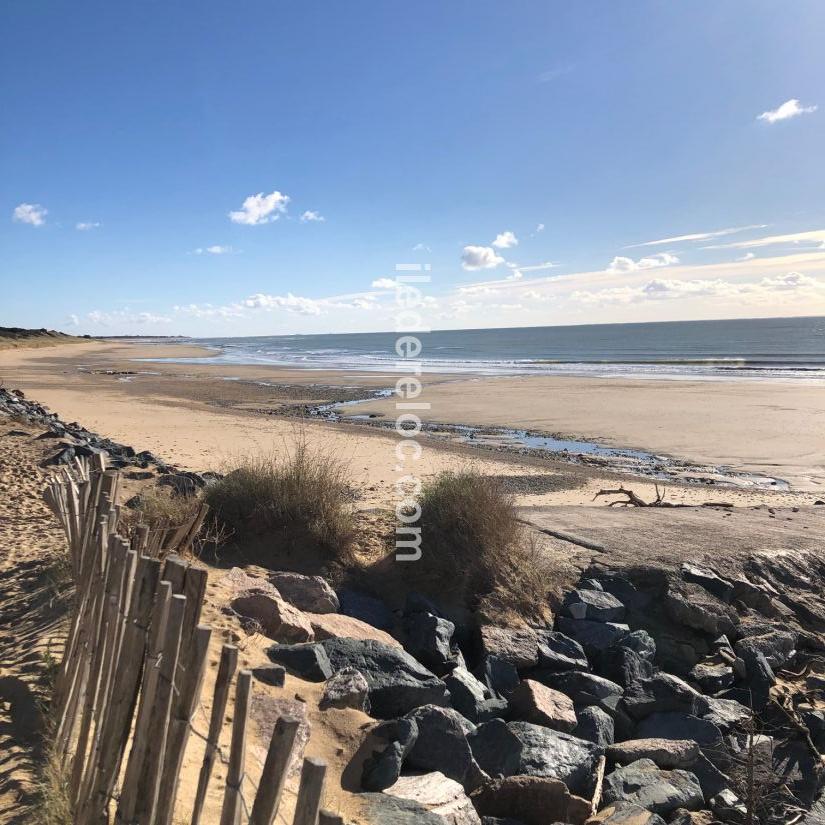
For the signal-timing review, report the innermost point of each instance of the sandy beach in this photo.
(201, 415)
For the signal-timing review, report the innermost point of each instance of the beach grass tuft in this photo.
(475, 549)
(303, 495)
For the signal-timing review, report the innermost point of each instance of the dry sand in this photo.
(191, 415)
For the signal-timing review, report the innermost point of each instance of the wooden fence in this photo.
(132, 670)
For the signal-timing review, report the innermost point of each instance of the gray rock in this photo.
(496, 748)
(584, 688)
(594, 637)
(310, 593)
(397, 682)
(517, 646)
(679, 726)
(382, 768)
(309, 661)
(666, 753)
(277, 618)
(439, 795)
(593, 605)
(661, 693)
(759, 678)
(472, 698)
(778, 647)
(428, 638)
(653, 789)
(728, 806)
(595, 725)
(498, 675)
(641, 642)
(382, 809)
(721, 588)
(624, 666)
(698, 609)
(346, 689)
(625, 813)
(591, 584)
(710, 778)
(533, 800)
(725, 713)
(442, 745)
(367, 608)
(560, 652)
(274, 675)
(712, 678)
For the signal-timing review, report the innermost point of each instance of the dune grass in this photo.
(476, 551)
(302, 496)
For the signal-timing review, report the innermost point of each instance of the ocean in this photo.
(792, 348)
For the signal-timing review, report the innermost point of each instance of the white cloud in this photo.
(215, 249)
(815, 236)
(125, 316)
(505, 240)
(747, 256)
(260, 208)
(31, 213)
(310, 215)
(384, 283)
(85, 226)
(73, 320)
(539, 228)
(621, 264)
(421, 247)
(516, 276)
(289, 302)
(790, 108)
(698, 236)
(480, 257)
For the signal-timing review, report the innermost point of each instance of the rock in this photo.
(308, 661)
(532, 800)
(309, 593)
(666, 753)
(274, 675)
(596, 726)
(346, 689)
(594, 605)
(728, 806)
(760, 678)
(499, 820)
(383, 809)
(442, 745)
(721, 588)
(653, 789)
(366, 608)
(661, 693)
(560, 652)
(334, 625)
(698, 609)
(778, 647)
(641, 643)
(521, 748)
(278, 619)
(517, 646)
(683, 817)
(382, 768)
(473, 699)
(712, 678)
(428, 638)
(591, 584)
(397, 682)
(711, 780)
(679, 726)
(625, 813)
(594, 637)
(183, 484)
(725, 713)
(498, 675)
(584, 688)
(61, 457)
(533, 702)
(624, 666)
(439, 795)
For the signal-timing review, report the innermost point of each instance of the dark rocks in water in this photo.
(382, 768)
(596, 726)
(594, 637)
(429, 639)
(442, 745)
(593, 605)
(521, 748)
(472, 698)
(661, 693)
(532, 800)
(653, 789)
(308, 661)
(498, 675)
(559, 652)
(397, 682)
(712, 678)
(366, 608)
(677, 725)
(518, 646)
(721, 588)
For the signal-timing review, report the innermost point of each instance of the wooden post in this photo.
(596, 801)
(226, 670)
(231, 811)
(272, 780)
(189, 691)
(310, 792)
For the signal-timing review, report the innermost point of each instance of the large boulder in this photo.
(346, 689)
(308, 661)
(336, 625)
(534, 702)
(472, 698)
(383, 767)
(666, 753)
(655, 790)
(532, 800)
(439, 795)
(624, 666)
(498, 675)
(596, 726)
(777, 646)
(309, 593)
(678, 725)
(585, 688)
(624, 813)
(662, 693)
(594, 637)
(366, 608)
(595, 605)
(522, 748)
(384, 809)
(725, 713)
(560, 652)
(519, 646)
(712, 582)
(397, 682)
(695, 608)
(277, 618)
(429, 639)
(712, 678)
(442, 745)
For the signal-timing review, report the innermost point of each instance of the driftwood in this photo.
(633, 500)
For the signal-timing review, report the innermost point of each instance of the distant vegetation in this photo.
(20, 337)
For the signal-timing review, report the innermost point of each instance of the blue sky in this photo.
(133, 134)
